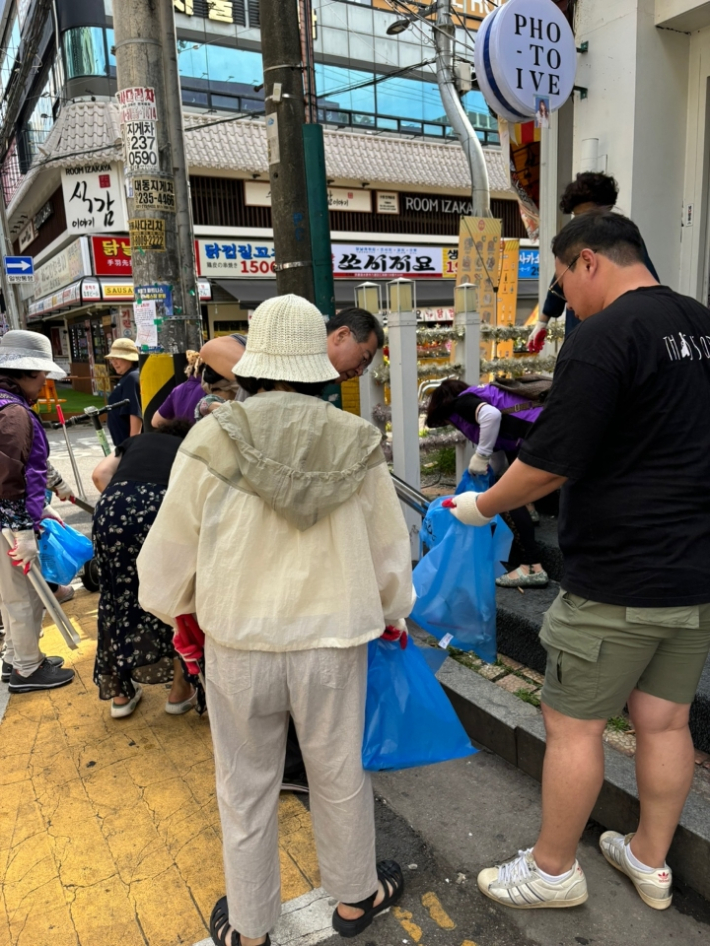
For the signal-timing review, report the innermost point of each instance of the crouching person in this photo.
(282, 532)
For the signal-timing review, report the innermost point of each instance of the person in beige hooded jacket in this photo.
(281, 531)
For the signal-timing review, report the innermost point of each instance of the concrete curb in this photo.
(514, 730)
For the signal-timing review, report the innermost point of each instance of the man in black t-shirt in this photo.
(625, 433)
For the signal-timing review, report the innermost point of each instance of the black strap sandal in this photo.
(389, 873)
(219, 921)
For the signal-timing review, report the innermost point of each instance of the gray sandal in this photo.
(532, 580)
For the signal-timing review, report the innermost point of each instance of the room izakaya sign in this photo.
(526, 60)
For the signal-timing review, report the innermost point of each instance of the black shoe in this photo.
(297, 783)
(7, 668)
(46, 677)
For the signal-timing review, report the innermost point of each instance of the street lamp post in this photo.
(368, 296)
(455, 112)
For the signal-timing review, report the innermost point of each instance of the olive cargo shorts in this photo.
(598, 653)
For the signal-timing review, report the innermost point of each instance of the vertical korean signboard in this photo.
(93, 198)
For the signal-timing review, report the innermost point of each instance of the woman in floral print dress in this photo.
(133, 647)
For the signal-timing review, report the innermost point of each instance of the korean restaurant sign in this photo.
(258, 194)
(93, 198)
(235, 259)
(112, 255)
(368, 261)
(247, 259)
(66, 266)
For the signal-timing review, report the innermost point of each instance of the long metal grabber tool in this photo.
(37, 581)
(72, 460)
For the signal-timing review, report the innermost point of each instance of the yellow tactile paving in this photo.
(109, 829)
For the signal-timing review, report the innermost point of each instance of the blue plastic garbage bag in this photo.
(409, 720)
(62, 551)
(438, 519)
(455, 584)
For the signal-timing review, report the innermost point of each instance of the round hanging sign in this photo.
(526, 60)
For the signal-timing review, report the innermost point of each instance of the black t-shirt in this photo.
(511, 426)
(628, 422)
(147, 458)
(119, 420)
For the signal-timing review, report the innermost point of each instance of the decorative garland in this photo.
(512, 366)
(498, 333)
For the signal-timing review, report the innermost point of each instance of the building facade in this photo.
(398, 181)
(645, 118)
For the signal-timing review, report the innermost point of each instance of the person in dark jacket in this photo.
(127, 421)
(25, 362)
(590, 190)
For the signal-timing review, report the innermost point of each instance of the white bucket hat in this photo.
(28, 351)
(287, 341)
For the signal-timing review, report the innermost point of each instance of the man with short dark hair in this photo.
(354, 336)
(589, 191)
(625, 433)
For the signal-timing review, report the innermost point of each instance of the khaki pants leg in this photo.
(22, 616)
(328, 689)
(250, 695)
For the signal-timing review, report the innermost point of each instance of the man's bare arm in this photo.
(519, 485)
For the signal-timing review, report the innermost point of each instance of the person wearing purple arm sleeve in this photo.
(180, 404)
(25, 362)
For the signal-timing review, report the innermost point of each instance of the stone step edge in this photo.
(513, 730)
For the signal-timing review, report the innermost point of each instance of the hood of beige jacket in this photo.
(302, 456)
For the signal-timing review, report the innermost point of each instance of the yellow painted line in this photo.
(405, 921)
(468, 942)
(109, 829)
(438, 914)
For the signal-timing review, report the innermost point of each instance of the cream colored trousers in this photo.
(250, 695)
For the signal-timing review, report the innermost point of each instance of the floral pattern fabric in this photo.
(14, 515)
(133, 645)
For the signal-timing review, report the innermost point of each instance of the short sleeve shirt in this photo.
(628, 422)
(119, 420)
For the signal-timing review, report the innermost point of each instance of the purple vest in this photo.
(501, 400)
(36, 466)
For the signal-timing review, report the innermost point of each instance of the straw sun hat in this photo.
(28, 351)
(287, 342)
(124, 348)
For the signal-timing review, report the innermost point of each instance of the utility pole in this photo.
(285, 118)
(166, 307)
(444, 42)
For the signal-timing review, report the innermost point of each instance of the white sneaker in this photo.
(654, 887)
(518, 883)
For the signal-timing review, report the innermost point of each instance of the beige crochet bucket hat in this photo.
(29, 351)
(287, 341)
(124, 348)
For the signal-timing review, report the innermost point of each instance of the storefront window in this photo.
(85, 52)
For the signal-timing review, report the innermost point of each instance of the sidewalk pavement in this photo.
(109, 829)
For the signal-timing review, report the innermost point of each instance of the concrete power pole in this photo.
(285, 117)
(455, 112)
(159, 219)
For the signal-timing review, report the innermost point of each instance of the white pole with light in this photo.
(402, 323)
(368, 296)
(467, 352)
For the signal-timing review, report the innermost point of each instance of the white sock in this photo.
(552, 879)
(636, 863)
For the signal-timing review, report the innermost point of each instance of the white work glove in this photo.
(49, 513)
(24, 552)
(63, 491)
(478, 464)
(464, 507)
(538, 336)
(400, 625)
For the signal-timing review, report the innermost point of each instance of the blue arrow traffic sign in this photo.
(21, 265)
